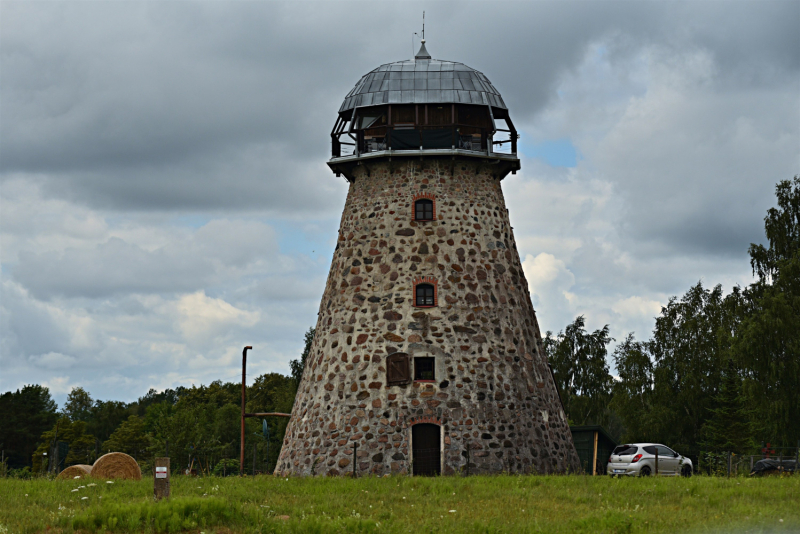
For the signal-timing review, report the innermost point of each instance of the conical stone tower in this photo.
(428, 357)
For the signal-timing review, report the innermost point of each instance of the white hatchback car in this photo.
(640, 459)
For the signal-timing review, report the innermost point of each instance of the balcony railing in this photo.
(420, 138)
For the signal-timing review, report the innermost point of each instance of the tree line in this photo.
(719, 373)
(197, 427)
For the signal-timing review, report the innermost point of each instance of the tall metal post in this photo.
(241, 450)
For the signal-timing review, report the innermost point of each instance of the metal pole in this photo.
(656, 460)
(241, 449)
(355, 459)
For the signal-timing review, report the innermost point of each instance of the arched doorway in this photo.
(426, 455)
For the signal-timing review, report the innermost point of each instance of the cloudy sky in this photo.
(165, 198)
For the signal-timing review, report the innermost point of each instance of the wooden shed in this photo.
(594, 446)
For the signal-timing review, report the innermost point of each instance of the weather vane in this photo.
(415, 33)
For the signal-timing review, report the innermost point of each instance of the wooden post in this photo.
(355, 458)
(468, 458)
(656, 459)
(594, 461)
(161, 481)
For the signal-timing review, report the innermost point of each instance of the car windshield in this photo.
(622, 450)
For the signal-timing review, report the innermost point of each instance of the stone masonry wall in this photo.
(493, 389)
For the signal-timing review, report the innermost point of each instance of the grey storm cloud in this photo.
(164, 196)
(220, 248)
(162, 105)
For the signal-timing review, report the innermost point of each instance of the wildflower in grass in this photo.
(76, 489)
(76, 477)
(109, 481)
(451, 511)
(91, 485)
(84, 498)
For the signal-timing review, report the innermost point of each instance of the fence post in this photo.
(355, 459)
(468, 458)
(656, 460)
(161, 481)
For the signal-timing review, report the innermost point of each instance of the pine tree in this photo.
(729, 427)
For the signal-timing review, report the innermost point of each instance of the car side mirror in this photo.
(676, 454)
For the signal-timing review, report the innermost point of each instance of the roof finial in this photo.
(423, 52)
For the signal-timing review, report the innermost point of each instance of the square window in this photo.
(423, 210)
(424, 295)
(424, 369)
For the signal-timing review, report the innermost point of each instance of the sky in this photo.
(165, 199)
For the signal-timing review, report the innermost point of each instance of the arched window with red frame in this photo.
(426, 292)
(424, 208)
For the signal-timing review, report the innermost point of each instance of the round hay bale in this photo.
(75, 471)
(116, 465)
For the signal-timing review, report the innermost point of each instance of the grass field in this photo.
(517, 504)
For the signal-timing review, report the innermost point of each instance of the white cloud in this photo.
(53, 360)
(203, 318)
(550, 282)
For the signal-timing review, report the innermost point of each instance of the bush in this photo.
(23, 473)
(226, 467)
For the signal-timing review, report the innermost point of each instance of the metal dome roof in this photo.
(423, 81)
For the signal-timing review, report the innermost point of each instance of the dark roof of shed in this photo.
(593, 428)
(423, 81)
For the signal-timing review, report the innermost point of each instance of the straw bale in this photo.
(116, 465)
(73, 471)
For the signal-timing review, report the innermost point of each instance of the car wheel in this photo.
(686, 471)
(644, 471)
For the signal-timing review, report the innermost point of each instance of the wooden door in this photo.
(426, 449)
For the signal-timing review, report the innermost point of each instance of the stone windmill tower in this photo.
(427, 352)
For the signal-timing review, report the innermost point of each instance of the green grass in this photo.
(516, 504)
